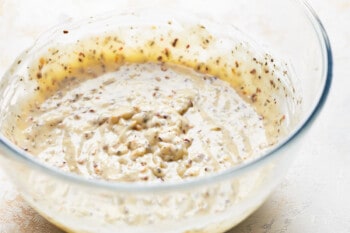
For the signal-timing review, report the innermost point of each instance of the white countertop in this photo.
(314, 196)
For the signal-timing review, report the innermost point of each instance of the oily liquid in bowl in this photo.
(150, 101)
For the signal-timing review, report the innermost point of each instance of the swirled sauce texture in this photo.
(163, 107)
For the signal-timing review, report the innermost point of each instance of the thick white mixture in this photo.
(145, 122)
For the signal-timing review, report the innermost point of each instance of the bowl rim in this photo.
(324, 43)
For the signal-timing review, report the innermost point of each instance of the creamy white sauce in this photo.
(145, 122)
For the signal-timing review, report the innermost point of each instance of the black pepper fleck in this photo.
(174, 42)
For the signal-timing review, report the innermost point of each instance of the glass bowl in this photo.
(288, 29)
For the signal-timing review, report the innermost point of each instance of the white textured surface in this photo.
(315, 195)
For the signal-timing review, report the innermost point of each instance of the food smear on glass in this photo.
(154, 103)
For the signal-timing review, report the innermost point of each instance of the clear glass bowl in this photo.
(289, 29)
